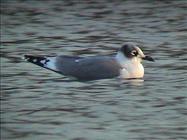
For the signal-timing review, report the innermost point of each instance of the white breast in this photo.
(132, 71)
(131, 68)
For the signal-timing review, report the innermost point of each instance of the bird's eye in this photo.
(134, 53)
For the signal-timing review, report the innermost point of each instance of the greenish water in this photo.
(39, 104)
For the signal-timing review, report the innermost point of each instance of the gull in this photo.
(126, 64)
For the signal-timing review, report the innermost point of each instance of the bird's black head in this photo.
(129, 50)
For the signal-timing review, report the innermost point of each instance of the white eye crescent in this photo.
(134, 53)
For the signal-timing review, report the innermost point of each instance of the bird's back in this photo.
(89, 68)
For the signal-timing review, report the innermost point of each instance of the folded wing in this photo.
(88, 68)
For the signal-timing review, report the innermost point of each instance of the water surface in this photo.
(40, 104)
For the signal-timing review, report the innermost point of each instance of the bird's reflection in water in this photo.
(133, 82)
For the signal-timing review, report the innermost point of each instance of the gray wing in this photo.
(89, 68)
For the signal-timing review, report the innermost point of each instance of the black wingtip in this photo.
(30, 58)
(35, 59)
(26, 57)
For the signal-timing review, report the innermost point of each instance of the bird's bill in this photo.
(148, 58)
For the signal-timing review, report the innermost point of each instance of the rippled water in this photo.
(39, 104)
